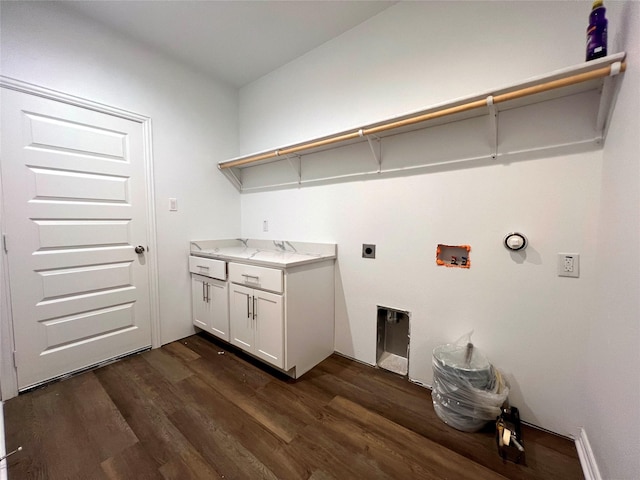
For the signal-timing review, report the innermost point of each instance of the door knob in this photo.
(139, 249)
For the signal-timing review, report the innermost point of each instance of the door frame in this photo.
(8, 374)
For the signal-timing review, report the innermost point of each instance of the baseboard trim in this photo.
(587, 459)
(3, 449)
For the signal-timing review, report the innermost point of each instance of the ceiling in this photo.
(234, 41)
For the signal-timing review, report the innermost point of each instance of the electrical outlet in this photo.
(568, 265)
(173, 204)
(265, 225)
(368, 250)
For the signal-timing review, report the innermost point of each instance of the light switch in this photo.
(173, 204)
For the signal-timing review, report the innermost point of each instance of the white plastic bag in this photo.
(468, 391)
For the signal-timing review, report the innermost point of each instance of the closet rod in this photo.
(606, 71)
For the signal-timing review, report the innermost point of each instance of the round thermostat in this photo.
(515, 241)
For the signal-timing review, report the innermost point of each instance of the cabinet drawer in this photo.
(256, 277)
(208, 267)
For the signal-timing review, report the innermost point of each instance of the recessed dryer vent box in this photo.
(453, 255)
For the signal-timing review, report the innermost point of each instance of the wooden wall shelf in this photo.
(598, 75)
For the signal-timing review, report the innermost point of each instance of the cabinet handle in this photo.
(254, 308)
(208, 296)
(204, 296)
(247, 277)
(248, 311)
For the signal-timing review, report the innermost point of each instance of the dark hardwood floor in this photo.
(189, 411)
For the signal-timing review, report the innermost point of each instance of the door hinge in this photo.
(4, 243)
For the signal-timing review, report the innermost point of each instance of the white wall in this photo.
(612, 417)
(194, 124)
(531, 323)
(411, 56)
(563, 346)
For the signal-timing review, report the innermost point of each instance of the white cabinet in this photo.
(209, 295)
(257, 323)
(210, 305)
(277, 305)
(283, 316)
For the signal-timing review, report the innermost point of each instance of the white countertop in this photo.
(270, 253)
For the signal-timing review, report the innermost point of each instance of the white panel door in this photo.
(75, 204)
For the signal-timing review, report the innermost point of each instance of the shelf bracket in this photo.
(377, 152)
(493, 126)
(296, 168)
(231, 175)
(609, 92)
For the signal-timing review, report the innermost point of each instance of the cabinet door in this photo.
(218, 308)
(199, 303)
(210, 305)
(269, 327)
(241, 323)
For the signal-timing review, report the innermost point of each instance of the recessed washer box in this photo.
(453, 255)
